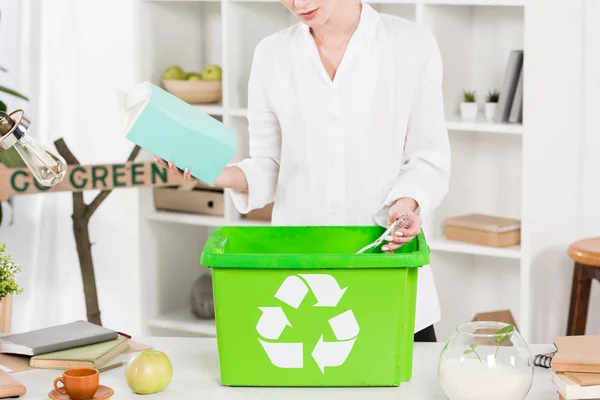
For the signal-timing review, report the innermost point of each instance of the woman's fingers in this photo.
(398, 237)
(160, 161)
(186, 174)
(391, 247)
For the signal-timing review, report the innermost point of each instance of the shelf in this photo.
(482, 125)
(442, 244)
(454, 123)
(184, 321)
(211, 109)
(200, 220)
(238, 112)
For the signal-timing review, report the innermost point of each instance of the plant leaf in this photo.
(505, 333)
(473, 345)
(468, 351)
(12, 159)
(3, 106)
(13, 92)
(3, 69)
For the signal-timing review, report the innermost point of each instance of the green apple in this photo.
(194, 76)
(174, 72)
(212, 73)
(149, 371)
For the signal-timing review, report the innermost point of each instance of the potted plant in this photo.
(491, 102)
(468, 107)
(8, 287)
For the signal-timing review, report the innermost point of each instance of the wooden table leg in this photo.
(580, 300)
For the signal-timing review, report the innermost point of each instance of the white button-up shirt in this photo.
(341, 151)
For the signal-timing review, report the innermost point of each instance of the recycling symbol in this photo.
(273, 322)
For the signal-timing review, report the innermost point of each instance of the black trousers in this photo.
(426, 335)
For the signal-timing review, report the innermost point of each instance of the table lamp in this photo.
(47, 167)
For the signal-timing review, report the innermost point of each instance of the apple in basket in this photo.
(194, 87)
(149, 371)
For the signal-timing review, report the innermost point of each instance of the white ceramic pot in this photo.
(468, 111)
(490, 110)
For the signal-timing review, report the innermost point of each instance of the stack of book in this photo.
(576, 367)
(73, 345)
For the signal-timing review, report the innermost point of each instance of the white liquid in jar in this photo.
(474, 380)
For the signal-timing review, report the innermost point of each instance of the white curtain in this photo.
(71, 57)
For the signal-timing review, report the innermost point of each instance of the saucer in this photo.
(103, 392)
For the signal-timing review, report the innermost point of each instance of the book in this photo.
(509, 85)
(579, 353)
(516, 111)
(91, 356)
(10, 387)
(55, 338)
(571, 390)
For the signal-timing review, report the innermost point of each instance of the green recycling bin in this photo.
(296, 306)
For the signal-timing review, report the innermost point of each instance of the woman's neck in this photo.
(341, 25)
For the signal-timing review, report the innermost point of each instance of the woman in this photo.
(346, 127)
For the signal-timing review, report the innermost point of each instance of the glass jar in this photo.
(485, 361)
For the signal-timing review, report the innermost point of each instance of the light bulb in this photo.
(47, 167)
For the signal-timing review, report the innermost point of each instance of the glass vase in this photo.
(485, 361)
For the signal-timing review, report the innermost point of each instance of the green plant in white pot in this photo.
(468, 107)
(8, 287)
(491, 103)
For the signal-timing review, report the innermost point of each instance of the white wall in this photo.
(590, 146)
(86, 54)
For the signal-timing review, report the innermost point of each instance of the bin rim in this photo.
(213, 256)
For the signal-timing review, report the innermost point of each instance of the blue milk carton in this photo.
(174, 130)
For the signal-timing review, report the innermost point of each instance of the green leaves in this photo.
(8, 270)
(13, 93)
(472, 350)
(493, 96)
(3, 106)
(504, 334)
(470, 96)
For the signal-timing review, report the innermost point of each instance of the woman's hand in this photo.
(231, 177)
(173, 168)
(405, 206)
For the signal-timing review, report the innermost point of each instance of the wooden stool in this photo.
(586, 254)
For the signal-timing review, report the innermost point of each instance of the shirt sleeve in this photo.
(261, 168)
(425, 172)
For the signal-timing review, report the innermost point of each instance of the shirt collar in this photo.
(366, 25)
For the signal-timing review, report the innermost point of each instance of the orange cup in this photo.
(78, 383)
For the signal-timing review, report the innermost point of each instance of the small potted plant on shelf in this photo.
(8, 287)
(468, 107)
(491, 102)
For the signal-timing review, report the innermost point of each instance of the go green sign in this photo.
(18, 181)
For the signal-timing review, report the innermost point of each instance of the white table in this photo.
(196, 376)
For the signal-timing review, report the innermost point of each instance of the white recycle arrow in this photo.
(284, 355)
(325, 288)
(272, 322)
(333, 354)
(292, 291)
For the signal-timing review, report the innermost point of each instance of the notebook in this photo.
(90, 356)
(55, 338)
(573, 391)
(577, 354)
(174, 130)
(10, 387)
